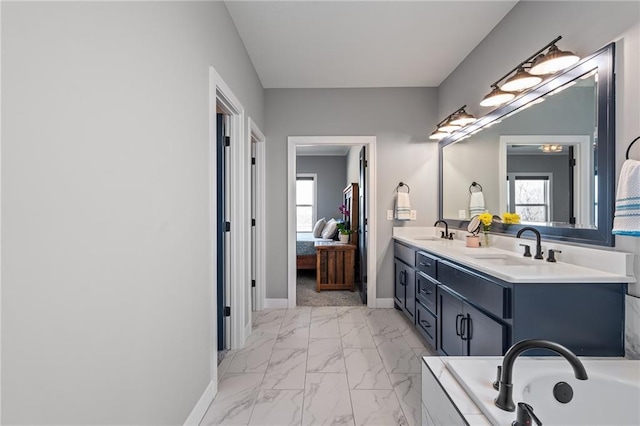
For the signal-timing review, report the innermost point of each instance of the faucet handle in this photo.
(451, 234)
(552, 255)
(442, 234)
(525, 415)
(496, 384)
(527, 250)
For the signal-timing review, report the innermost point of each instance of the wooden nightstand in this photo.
(335, 265)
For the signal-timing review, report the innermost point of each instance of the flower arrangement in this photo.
(510, 218)
(342, 226)
(486, 219)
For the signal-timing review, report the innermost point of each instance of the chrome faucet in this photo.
(445, 233)
(537, 234)
(504, 400)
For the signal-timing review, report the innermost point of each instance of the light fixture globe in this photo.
(554, 61)
(449, 127)
(462, 118)
(437, 135)
(521, 80)
(496, 97)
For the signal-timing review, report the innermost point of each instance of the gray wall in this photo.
(556, 164)
(586, 26)
(331, 181)
(105, 206)
(400, 118)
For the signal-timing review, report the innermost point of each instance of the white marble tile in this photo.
(325, 356)
(327, 400)
(324, 327)
(365, 369)
(356, 335)
(401, 320)
(382, 325)
(226, 362)
(293, 335)
(350, 314)
(234, 402)
(408, 388)
(413, 338)
(398, 357)
(297, 315)
(454, 390)
(377, 407)
(268, 320)
(278, 407)
(286, 370)
(632, 327)
(254, 357)
(324, 311)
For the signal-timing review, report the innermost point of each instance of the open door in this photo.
(222, 227)
(362, 226)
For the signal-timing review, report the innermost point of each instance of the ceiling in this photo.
(324, 44)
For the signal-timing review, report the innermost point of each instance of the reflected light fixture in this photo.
(528, 73)
(551, 148)
(453, 122)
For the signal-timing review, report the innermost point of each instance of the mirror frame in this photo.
(603, 61)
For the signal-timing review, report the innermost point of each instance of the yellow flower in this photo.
(486, 219)
(510, 218)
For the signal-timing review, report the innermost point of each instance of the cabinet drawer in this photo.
(480, 291)
(404, 253)
(427, 264)
(426, 291)
(426, 323)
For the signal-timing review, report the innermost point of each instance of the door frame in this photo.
(254, 133)
(292, 143)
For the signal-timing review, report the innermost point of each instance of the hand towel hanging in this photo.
(476, 203)
(403, 206)
(626, 220)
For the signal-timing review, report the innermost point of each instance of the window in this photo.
(530, 196)
(305, 202)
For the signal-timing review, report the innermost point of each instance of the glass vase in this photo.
(486, 239)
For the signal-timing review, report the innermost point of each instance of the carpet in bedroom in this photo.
(306, 294)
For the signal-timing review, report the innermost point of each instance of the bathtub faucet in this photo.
(504, 400)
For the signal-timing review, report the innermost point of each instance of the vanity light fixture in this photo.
(454, 121)
(528, 73)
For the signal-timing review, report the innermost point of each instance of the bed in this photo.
(306, 250)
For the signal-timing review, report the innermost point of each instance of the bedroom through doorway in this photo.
(330, 216)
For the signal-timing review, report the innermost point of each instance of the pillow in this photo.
(330, 230)
(318, 227)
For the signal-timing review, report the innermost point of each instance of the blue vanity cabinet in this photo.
(405, 288)
(466, 330)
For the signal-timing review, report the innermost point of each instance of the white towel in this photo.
(626, 220)
(476, 203)
(403, 206)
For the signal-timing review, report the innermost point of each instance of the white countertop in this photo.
(523, 270)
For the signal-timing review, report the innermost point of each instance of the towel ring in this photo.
(630, 145)
(473, 185)
(400, 185)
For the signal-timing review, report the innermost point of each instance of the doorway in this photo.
(367, 290)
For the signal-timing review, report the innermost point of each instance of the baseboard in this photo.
(202, 405)
(276, 303)
(384, 303)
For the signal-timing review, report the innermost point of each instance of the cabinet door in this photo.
(449, 319)
(410, 293)
(399, 283)
(482, 335)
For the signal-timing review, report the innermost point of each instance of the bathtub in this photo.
(611, 395)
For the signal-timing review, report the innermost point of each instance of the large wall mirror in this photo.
(548, 155)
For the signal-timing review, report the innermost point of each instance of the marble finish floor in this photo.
(323, 365)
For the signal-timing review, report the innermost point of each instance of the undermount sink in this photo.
(502, 260)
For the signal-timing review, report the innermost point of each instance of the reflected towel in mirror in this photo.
(476, 203)
(626, 220)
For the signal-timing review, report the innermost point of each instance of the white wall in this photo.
(353, 164)
(585, 26)
(400, 118)
(106, 279)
